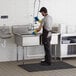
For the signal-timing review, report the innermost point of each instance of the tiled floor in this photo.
(11, 69)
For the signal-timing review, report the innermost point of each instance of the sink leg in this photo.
(23, 55)
(17, 53)
(55, 53)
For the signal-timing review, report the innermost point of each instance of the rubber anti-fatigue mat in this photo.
(54, 66)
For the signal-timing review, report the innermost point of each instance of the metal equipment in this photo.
(4, 34)
(23, 36)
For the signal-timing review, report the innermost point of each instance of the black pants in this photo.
(47, 50)
(46, 43)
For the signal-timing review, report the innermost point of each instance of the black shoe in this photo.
(45, 63)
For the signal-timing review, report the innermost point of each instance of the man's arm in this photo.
(39, 28)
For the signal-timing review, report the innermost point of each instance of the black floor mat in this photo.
(54, 66)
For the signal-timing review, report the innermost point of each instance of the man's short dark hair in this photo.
(43, 9)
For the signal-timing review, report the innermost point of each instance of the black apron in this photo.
(44, 35)
(46, 43)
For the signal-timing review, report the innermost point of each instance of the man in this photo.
(46, 24)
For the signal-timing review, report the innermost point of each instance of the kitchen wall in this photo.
(20, 12)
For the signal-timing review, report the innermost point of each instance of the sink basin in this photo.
(22, 29)
(5, 36)
(5, 32)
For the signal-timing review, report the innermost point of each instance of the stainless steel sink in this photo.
(22, 29)
(23, 36)
(5, 32)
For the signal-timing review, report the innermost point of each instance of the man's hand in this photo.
(37, 19)
(34, 32)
